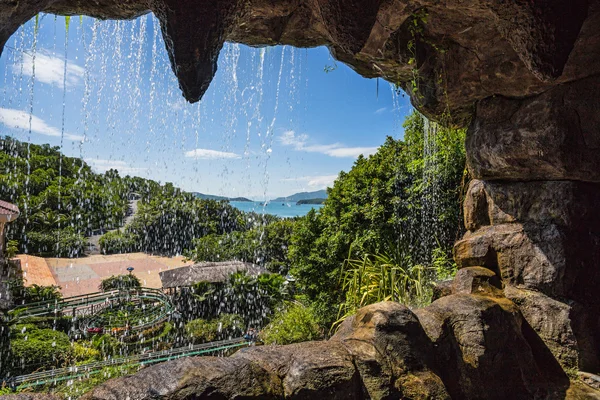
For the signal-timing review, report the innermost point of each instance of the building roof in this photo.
(207, 272)
(8, 211)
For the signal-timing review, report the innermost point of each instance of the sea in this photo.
(284, 210)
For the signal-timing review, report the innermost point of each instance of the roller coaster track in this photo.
(85, 370)
(86, 306)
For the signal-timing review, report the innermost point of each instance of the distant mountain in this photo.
(319, 194)
(218, 198)
(310, 201)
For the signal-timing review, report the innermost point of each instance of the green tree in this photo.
(33, 348)
(292, 324)
(128, 281)
(405, 196)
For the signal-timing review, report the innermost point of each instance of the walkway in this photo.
(79, 276)
(94, 240)
(86, 306)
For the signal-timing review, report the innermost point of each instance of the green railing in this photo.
(85, 370)
(84, 304)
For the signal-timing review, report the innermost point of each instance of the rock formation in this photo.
(462, 346)
(447, 55)
(525, 77)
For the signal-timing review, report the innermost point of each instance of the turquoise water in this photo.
(285, 210)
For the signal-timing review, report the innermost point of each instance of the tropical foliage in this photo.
(62, 201)
(32, 348)
(253, 298)
(292, 324)
(223, 327)
(265, 244)
(22, 294)
(120, 282)
(381, 277)
(404, 199)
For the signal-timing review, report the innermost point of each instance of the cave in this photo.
(523, 315)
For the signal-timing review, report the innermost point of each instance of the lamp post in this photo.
(129, 285)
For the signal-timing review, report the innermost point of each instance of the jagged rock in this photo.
(302, 371)
(553, 136)
(569, 329)
(30, 396)
(441, 289)
(551, 319)
(488, 351)
(477, 280)
(565, 203)
(307, 370)
(461, 346)
(392, 353)
(470, 280)
(478, 48)
(581, 391)
(557, 261)
(475, 206)
(200, 377)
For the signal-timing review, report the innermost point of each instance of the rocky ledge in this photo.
(471, 343)
(447, 55)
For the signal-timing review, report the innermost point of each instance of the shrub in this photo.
(107, 345)
(201, 330)
(381, 277)
(84, 354)
(296, 323)
(119, 242)
(31, 294)
(129, 281)
(63, 324)
(34, 348)
(78, 387)
(59, 243)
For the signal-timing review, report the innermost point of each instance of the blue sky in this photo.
(272, 123)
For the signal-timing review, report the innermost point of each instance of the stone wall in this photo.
(532, 211)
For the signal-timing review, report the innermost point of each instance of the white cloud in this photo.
(352, 151)
(206, 154)
(319, 181)
(380, 110)
(101, 165)
(17, 119)
(50, 69)
(300, 143)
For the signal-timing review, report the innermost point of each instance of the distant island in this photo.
(219, 198)
(319, 194)
(310, 201)
(317, 197)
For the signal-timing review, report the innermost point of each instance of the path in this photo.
(94, 240)
(78, 276)
(86, 306)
